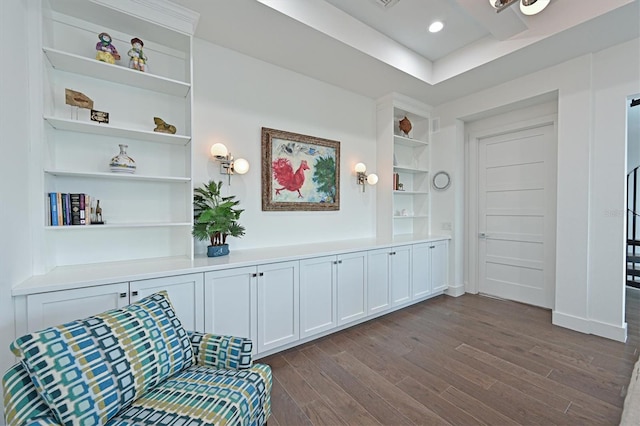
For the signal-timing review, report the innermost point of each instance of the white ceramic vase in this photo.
(122, 163)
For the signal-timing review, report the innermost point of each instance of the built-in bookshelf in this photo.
(146, 214)
(403, 167)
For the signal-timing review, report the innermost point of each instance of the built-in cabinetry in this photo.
(277, 304)
(258, 302)
(57, 307)
(185, 292)
(390, 277)
(352, 287)
(147, 213)
(403, 168)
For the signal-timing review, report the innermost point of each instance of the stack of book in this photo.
(69, 209)
(396, 182)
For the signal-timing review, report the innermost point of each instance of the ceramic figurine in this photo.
(137, 58)
(163, 127)
(106, 52)
(122, 163)
(405, 126)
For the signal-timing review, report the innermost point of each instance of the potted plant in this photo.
(215, 218)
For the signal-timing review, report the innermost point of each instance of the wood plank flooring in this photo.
(470, 360)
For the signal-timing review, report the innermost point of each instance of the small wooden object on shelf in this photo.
(163, 127)
(96, 217)
(405, 126)
(77, 99)
(100, 116)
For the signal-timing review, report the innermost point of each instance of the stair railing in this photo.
(633, 267)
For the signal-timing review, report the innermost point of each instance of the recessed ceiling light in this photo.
(436, 26)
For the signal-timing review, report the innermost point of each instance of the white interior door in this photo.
(516, 223)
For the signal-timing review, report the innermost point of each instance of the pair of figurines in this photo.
(107, 52)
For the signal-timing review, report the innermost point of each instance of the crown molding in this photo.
(160, 12)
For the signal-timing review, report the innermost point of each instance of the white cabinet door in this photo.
(186, 293)
(231, 303)
(379, 293)
(352, 287)
(421, 270)
(400, 261)
(278, 305)
(318, 299)
(439, 265)
(58, 307)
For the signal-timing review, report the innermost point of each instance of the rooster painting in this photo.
(285, 176)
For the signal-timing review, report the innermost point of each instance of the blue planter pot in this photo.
(215, 251)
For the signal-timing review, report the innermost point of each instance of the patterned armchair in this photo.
(135, 366)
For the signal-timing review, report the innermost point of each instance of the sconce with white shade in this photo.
(228, 165)
(362, 177)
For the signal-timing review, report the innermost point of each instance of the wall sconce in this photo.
(360, 170)
(228, 166)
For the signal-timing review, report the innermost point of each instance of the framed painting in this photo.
(299, 172)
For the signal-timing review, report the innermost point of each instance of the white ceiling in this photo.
(357, 45)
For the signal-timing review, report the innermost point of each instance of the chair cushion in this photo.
(88, 370)
(204, 396)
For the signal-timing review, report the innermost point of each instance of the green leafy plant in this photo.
(215, 217)
(324, 175)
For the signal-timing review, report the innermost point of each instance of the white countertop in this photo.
(89, 275)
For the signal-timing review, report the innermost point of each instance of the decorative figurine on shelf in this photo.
(405, 126)
(77, 99)
(163, 127)
(137, 58)
(100, 116)
(106, 52)
(122, 163)
(97, 216)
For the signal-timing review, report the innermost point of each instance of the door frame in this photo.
(471, 155)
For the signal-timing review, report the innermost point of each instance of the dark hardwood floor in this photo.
(470, 360)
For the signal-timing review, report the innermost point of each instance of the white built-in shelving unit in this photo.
(406, 211)
(148, 214)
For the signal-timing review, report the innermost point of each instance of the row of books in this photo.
(69, 209)
(397, 186)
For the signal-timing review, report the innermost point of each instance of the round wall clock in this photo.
(441, 180)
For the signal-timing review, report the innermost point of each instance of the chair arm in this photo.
(22, 403)
(222, 352)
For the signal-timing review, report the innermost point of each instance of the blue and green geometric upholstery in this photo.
(200, 395)
(135, 366)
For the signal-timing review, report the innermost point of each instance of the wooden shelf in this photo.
(118, 225)
(117, 176)
(413, 143)
(114, 131)
(90, 67)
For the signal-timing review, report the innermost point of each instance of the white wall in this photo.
(234, 97)
(15, 247)
(592, 92)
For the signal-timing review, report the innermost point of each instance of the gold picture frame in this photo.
(299, 172)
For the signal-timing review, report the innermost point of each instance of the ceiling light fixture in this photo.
(532, 7)
(436, 26)
(527, 7)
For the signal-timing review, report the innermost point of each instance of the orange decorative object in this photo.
(405, 126)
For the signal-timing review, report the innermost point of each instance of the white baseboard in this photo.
(455, 291)
(587, 326)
